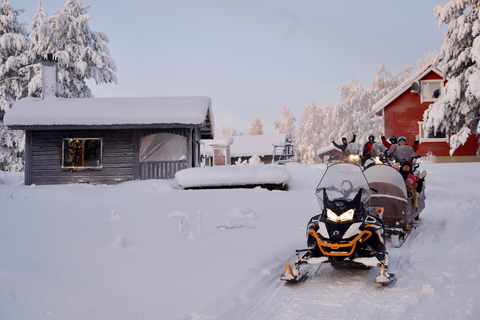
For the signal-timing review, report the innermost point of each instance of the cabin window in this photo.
(430, 136)
(81, 153)
(431, 90)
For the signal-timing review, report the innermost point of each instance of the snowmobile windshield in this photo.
(343, 181)
(377, 149)
(402, 153)
(387, 181)
(352, 148)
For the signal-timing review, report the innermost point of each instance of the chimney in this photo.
(49, 77)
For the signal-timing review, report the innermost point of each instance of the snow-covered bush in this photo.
(428, 158)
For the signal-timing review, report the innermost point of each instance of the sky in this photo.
(253, 57)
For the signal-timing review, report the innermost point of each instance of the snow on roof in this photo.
(247, 146)
(404, 86)
(326, 149)
(108, 111)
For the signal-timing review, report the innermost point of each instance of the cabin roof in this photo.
(123, 111)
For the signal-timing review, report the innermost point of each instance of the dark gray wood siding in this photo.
(120, 158)
(46, 157)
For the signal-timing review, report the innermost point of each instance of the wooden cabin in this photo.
(110, 140)
(402, 110)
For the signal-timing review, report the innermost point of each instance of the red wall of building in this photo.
(401, 119)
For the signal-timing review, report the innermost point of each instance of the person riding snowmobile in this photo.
(403, 141)
(412, 181)
(388, 143)
(344, 144)
(367, 148)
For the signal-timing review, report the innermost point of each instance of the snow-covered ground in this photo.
(116, 252)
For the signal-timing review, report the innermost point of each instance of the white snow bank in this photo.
(232, 176)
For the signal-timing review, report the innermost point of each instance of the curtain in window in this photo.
(163, 147)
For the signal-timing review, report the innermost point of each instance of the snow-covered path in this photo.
(437, 268)
(115, 252)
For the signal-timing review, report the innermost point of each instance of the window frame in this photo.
(422, 139)
(427, 83)
(82, 168)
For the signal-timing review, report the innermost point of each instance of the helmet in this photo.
(371, 136)
(392, 139)
(402, 138)
(344, 139)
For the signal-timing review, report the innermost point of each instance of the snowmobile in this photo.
(401, 211)
(352, 153)
(347, 233)
(402, 153)
(378, 155)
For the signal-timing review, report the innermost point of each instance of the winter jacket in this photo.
(343, 146)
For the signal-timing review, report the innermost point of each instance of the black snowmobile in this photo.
(347, 233)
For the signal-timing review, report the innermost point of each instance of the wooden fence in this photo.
(161, 169)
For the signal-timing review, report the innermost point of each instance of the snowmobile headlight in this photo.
(354, 157)
(377, 160)
(344, 217)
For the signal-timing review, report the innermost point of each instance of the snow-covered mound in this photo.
(270, 176)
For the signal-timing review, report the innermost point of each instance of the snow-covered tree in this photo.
(256, 128)
(457, 111)
(288, 124)
(429, 58)
(227, 131)
(355, 114)
(44, 43)
(14, 44)
(308, 141)
(82, 53)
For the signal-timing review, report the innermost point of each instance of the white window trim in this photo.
(420, 130)
(430, 81)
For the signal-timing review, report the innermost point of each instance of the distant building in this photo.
(270, 148)
(329, 154)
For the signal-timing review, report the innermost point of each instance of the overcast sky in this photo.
(254, 56)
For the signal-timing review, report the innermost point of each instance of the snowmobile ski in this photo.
(385, 278)
(292, 275)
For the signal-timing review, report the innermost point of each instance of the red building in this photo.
(402, 110)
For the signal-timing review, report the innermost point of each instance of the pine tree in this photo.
(82, 53)
(45, 42)
(256, 128)
(456, 112)
(14, 44)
